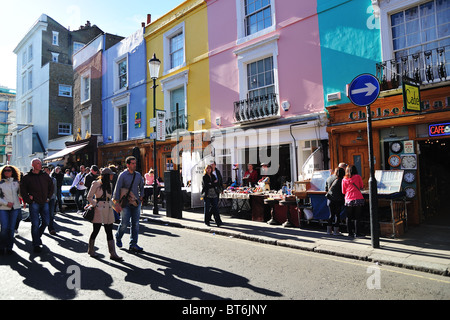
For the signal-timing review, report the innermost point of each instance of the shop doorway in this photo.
(434, 162)
(358, 156)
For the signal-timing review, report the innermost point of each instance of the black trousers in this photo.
(336, 208)
(353, 218)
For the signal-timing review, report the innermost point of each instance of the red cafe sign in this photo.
(441, 129)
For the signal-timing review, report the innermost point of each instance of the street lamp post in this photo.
(153, 66)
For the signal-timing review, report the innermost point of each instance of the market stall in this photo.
(392, 203)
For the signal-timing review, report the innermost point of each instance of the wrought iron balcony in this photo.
(256, 109)
(422, 68)
(172, 124)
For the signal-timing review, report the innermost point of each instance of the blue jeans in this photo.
(129, 213)
(8, 219)
(40, 219)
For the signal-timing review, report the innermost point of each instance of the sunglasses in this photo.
(7, 170)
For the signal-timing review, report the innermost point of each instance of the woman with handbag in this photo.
(210, 194)
(336, 200)
(101, 190)
(9, 206)
(352, 185)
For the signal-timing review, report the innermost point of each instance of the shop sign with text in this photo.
(411, 97)
(440, 129)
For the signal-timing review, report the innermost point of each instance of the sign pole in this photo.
(373, 192)
(363, 91)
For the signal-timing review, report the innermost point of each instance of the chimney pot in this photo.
(149, 18)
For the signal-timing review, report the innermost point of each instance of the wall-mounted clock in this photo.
(409, 161)
(394, 160)
(409, 176)
(396, 146)
(410, 192)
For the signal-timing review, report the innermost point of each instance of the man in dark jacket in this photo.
(91, 177)
(36, 189)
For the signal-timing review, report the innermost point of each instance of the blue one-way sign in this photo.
(364, 90)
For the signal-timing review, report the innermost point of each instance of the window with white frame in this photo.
(122, 124)
(85, 87)
(260, 79)
(177, 98)
(55, 56)
(258, 15)
(420, 28)
(122, 73)
(254, 18)
(30, 52)
(55, 38)
(24, 58)
(64, 129)
(86, 121)
(174, 48)
(77, 46)
(23, 113)
(258, 68)
(24, 82)
(29, 115)
(65, 90)
(30, 79)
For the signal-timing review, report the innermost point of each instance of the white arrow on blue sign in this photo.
(364, 90)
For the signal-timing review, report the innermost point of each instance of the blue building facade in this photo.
(350, 45)
(124, 90)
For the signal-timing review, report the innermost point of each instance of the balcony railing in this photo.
(256, 109)
(426, 67)
(172, 124)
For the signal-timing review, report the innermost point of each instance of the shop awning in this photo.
(66, 151)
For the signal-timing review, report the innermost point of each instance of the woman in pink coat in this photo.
(352, 185)
(100, 196)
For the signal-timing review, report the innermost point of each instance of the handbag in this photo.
(124, 199)
(73, 190)
(89, 213)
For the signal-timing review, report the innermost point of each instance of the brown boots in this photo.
(111, 248)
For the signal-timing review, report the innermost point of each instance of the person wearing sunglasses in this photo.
(9, 206)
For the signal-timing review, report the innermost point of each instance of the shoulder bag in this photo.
(73, 189)
(124, 198)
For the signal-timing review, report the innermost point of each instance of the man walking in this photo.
(36, 189)
(79, 183)
(59, 176)
(129, 181)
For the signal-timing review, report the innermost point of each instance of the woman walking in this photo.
(352, 185)
(101, 189)
(211, 196)
(9, 206)
(335, 201)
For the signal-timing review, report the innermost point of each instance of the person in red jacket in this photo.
(250, 176)
(352, 185)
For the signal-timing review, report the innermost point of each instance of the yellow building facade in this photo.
(179, 39)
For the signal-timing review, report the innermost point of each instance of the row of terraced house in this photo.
(241, 81)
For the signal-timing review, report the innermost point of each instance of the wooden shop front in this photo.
(402, 141)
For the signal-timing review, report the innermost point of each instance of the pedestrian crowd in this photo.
(114, 198)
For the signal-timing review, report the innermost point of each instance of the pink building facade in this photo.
(266, 85)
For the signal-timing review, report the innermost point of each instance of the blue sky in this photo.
(113, 16)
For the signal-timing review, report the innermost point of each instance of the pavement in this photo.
(423, 248)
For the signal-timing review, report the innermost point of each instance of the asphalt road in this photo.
(183, 264)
